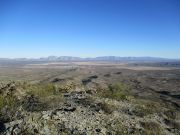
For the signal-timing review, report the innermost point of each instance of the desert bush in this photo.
(8, 107)
(66, 88)
(32, 103)
(89, 79)
(146, 107)
(107, 108)
(1, 102)
(107, 75)
(46, 95)
(41, 90)
(93, 77)
(9, 101)
(118, 127)
(54, 102)
(172, 123)
(151, 128)
(170, 114)
(117, 91)
(86, 81)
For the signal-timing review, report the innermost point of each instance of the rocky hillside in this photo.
(49, 109)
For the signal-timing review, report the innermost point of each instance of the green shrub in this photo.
(8, 107)
(117, 91)
(42, 90)
(9, 101)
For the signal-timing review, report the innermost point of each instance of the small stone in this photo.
(70, 109)
(2, 127)
(98, 130)
(36, 131)
(131, 130)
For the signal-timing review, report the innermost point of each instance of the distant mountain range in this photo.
(102, 58)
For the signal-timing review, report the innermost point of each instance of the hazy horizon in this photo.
(41, 28)
(89, 57)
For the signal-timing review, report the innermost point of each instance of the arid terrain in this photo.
(89, 98)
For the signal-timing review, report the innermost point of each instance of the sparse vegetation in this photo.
(32, 103)
(118, 91)
(118, 129)
(171, 114)
(45, 96)
(151, 128)
(65, 88)
(8, 107)
(146, 107)
(127, 106)
(93, 77)
(107, 75)
(89, 79)
(107, 108)
(9, 101)
(86, 81)
(1, 102)
(42, 90)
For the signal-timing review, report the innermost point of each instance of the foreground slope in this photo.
(88, 99)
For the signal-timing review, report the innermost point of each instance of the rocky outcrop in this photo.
(81, 113)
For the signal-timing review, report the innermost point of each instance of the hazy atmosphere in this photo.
(89, 28)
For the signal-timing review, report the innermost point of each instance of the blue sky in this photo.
(90, 28)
